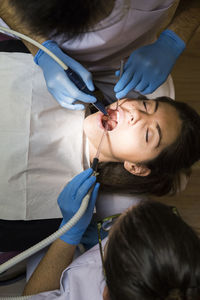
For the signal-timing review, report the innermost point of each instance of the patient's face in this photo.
(140, 130)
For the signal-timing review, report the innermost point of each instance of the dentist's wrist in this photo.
(170, 37)
(51, 45)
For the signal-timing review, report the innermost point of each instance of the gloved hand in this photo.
(149, 66)
(70, 200)
(90, 236)
(58, 83)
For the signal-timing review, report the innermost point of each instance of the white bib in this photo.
(42, 144)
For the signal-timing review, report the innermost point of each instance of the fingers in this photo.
(82, 72)
(85, 188)
(69, 90)
(79, 179)
(130, 86)
(94, 196)
(87, 78)
(148, 90)
(153, 86)
(127, 76)
(142, 85)
(67, 102)
(71, 189)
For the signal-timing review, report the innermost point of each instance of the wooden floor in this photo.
(186, 75)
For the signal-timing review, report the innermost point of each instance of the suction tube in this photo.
(33, 42)
(32, 250)
(13, 261)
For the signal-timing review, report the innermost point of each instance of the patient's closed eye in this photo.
(145, 105)
(147, 135)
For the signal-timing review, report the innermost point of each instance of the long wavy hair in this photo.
(167, 167)
(152, 254)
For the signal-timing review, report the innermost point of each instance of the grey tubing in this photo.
(13, 261)
(35, 43)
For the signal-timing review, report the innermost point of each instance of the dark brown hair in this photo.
(152, 254)
(167, 167)
(59, 17)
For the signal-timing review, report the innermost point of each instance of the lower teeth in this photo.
(107, 126)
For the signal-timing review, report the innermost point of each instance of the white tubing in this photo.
(13, 261)
(17, 298)
(38, 45)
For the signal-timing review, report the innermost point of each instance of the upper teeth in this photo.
(117, 116)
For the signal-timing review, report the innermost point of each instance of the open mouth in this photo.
(110, 122)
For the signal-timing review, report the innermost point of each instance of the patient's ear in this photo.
(136, 169)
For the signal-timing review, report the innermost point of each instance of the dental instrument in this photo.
(120, 75)
(73, 76)
(96, 158)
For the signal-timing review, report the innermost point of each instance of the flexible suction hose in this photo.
(33, 42)
(13, 261)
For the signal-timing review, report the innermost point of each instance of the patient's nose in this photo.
(135, 116)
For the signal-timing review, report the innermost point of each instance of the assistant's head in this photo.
(152, 254)
(152, 137)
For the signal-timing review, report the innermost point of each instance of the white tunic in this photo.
(82, 280)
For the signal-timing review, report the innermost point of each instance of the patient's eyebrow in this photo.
(160, 135)
(157, 126)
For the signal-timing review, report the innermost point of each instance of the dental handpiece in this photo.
(78, 81)
(74, 77)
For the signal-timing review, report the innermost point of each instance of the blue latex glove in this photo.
(70, 200)
(90, 237)
(58, 83)
(149, 66)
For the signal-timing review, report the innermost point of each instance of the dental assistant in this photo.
(145, 257)
(92, 37)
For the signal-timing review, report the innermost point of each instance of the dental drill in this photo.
(73, 76)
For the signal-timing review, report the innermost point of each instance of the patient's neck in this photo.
(102, 157)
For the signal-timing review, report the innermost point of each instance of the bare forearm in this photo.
(47, 275)
(12, 18)
(186, 19)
